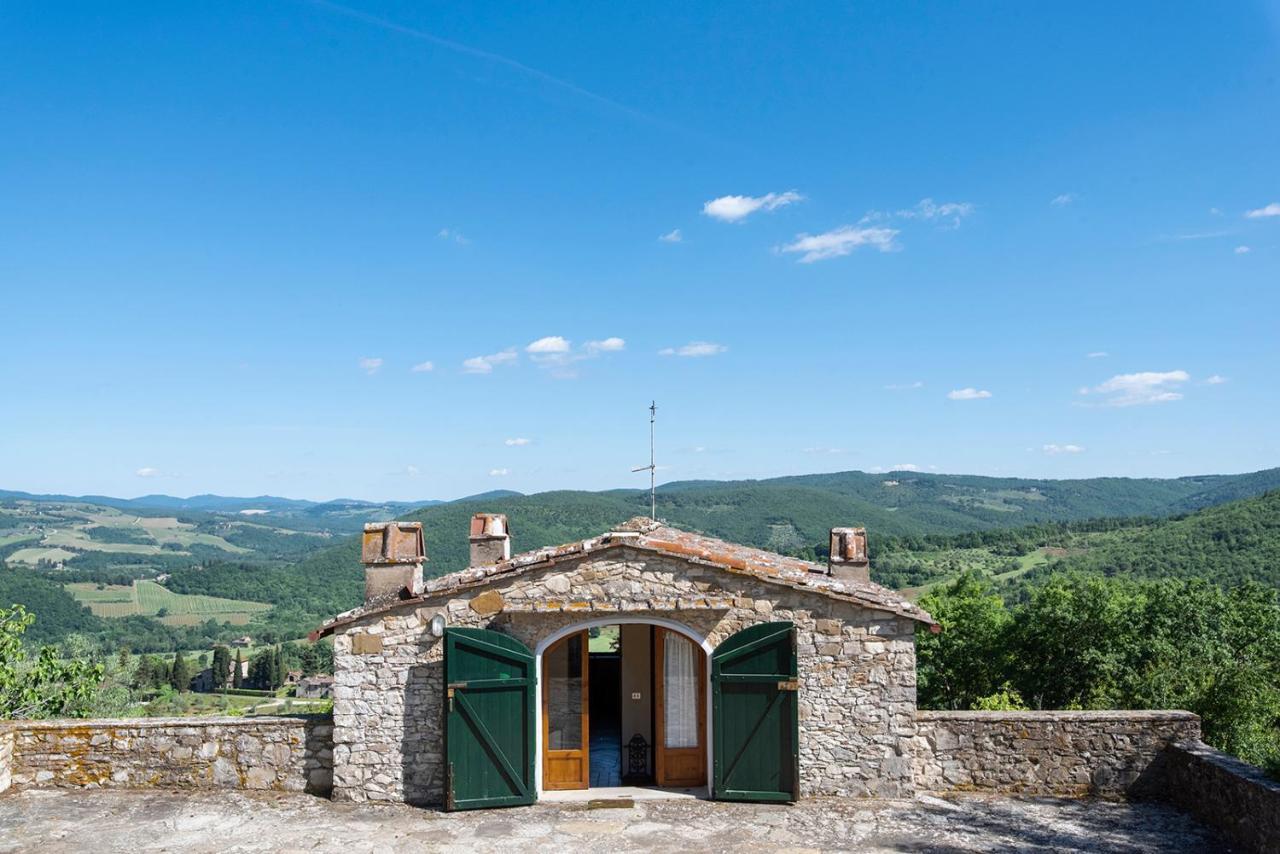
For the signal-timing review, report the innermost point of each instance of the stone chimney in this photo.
(392, 554)
(490, 539)
(848, 561)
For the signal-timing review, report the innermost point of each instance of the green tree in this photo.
(49, 686)
(180, 673)
(221, 666)
(237, 675)
(969, 659)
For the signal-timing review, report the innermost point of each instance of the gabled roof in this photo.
(644, 534)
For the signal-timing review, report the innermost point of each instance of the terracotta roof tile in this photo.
(645, 534)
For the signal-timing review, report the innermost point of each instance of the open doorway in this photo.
(604, 675)
(624, 705)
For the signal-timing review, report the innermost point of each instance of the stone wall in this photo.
(288, 754)
(1045, 753)
(857, 668)
(6, 760)
(1222, 791)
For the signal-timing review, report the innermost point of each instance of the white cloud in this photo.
(1270, 210)
(928, 209)
(905, 386)
(486, 364)
(738, 208)
(1097, 354)
(1062, 200)
(672, 236)
(370, 365)
(1216, 379)
(968, 394)
(1215, 211)
(820, 449)
(1241, 250)
(840, 241)
(1141, 388)
(694, 349)
(454, 235)
(517, 443)
(1054, 450)
(499, 472)
(412, 471)
(148, 471)
(607, 345)
(551, 345)
(423, 367)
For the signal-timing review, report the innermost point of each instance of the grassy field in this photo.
(150, 599)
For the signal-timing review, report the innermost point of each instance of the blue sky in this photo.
(414, 250)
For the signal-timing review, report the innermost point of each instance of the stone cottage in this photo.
(646, 653)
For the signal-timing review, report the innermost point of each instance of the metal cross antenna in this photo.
(651, 468)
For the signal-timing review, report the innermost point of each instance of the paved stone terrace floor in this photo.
(149, 821)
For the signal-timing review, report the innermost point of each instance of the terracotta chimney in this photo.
(848, 561)
(392, 554)
(490, 539)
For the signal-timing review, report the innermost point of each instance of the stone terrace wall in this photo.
(6, 760)
(284, 753)
(1044, 753)
(1224, 792)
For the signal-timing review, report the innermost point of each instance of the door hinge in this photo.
(789, 685)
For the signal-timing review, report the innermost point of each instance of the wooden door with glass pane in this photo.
(680, 755)
(565, 724)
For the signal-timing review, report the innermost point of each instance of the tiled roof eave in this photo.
(473, 577)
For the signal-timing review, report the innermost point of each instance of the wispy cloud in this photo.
(453, 235)
(607, 345)
(968, 394)
(672, 236)
(558, 355)
(488, 56)
(929, 210)
(517, 443)
(1242, 250)
(1142, 388)
(1216, 379)
(550, 345)
(738, 208)
(694, 349)
(1265, 211)
(370, 364)
(821, 449)
(1062, 200)
(423, 367)
(898, 467)
(1097, 354)
(148, 471)
(1055, 450)
(840, 241)
(486, 364)
(905, 386)
(412, 471)
(499, 472)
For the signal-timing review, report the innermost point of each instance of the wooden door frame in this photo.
(659, 708)
(585, 750)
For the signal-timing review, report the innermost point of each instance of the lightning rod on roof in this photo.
(652, 469)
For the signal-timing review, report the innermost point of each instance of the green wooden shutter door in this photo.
(755, 714)
(489, 696)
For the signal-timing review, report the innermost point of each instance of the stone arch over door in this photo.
(619, 620)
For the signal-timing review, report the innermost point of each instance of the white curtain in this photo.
(680, 707)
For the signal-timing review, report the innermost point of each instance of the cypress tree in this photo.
(221, 666)
(180, 674)
(237, 677)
